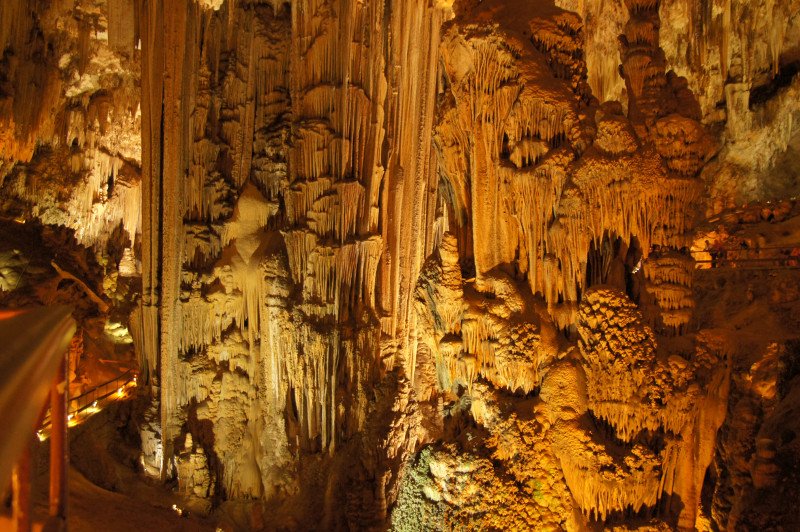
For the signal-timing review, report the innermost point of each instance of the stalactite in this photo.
(277, 271)
(367, 226)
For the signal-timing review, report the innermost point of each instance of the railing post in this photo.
(59, 451)
(21, 489)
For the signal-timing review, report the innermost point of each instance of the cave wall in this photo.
(421, 262)
(70, 113)
(284, 231)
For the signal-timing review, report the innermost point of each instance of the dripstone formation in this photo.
(426, 264)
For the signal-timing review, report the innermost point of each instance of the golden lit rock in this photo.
(417, 265)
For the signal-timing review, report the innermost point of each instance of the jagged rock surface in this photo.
(420, 264)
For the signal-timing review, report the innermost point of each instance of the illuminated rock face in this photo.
(414, 263)
(542, 184)
(283, 241)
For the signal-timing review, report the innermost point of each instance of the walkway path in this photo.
(93, 400)
(767, 258)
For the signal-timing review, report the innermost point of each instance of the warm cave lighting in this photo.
(87, 411)
(400, 265)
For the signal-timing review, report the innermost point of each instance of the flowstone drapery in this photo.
(420, 263)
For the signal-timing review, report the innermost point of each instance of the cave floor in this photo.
(101, 457)
(92, 508)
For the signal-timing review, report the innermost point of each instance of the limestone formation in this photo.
(424, 264)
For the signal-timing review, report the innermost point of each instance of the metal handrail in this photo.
(756, 269)
(115, 379)
(749, 258)
(87, 399)
(788, 247)
(735, 260)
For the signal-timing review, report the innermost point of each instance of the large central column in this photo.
(167, 38)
